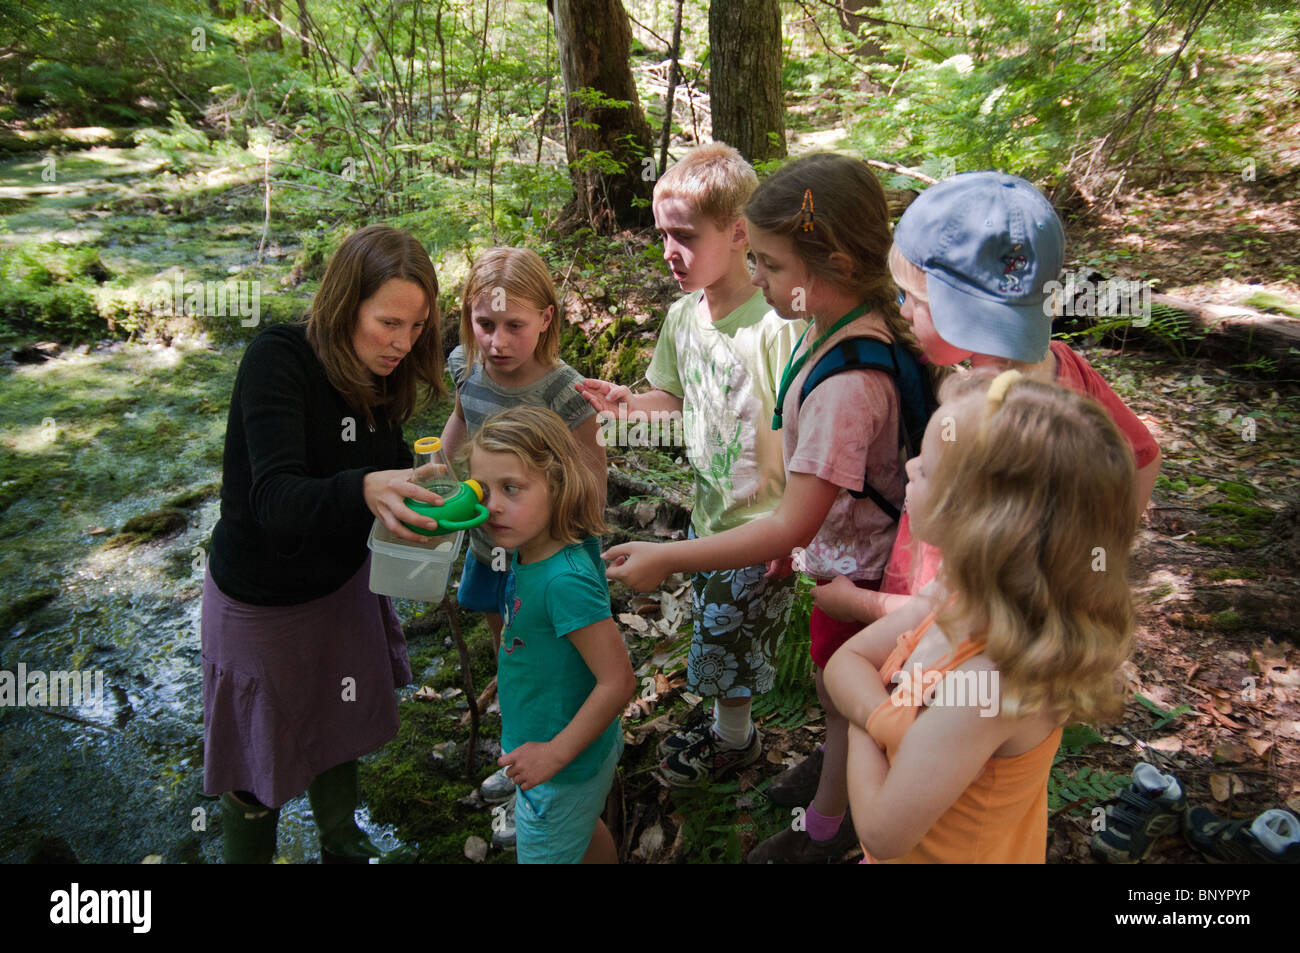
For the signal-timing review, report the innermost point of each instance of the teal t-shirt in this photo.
(542, 680)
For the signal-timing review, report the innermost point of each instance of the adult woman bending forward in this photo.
(300, 658)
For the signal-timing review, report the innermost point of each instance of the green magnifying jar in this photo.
(462, 506)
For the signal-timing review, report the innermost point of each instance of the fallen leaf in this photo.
(1231, 753)
(1170, 744)
(1220, 785)
(1293, 803)
(662, 685)
(634, 621)
(645, 605)
(1223, 705)
(452, 693)
(1287, 729)
(426, 694)
(650, 843)
(99, 531)
(1259, 746)
(691, 698)
(152, 859)
(476, 849)
(774, 756)
(1121, 740)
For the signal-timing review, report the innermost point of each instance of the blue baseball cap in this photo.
(988, 243)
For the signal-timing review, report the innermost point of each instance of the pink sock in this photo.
(819, 826)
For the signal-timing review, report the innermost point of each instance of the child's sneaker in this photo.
(790, 846)
(1271, 838)
(1151, 807)
(497, 788)
(796, 786)
(708, 759)
(695, 727)
(503, 824)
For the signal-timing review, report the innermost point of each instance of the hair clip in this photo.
(1001, 384)
(806, 211)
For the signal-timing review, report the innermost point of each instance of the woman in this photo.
(299, 657)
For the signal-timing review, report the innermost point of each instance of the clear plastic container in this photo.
(416, 571)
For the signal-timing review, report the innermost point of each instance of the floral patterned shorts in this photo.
(739, 618)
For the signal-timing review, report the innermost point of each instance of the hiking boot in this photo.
(796, 786)
(1271, 838)
(694, 728)
(796, 847)
(503, 824)
(1150, 808)
(497, 788)
(707, 760)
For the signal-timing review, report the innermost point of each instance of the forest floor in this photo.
(1215, 673)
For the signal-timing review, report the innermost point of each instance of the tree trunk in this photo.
(745, 77)
(607, 145)
(853, 20)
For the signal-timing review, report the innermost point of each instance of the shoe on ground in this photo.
(796, 786)
(695, 727)
(1151, 807)
(707, 760)
(497, 788)
(1271, 838)
(503, 824)
(790, 846)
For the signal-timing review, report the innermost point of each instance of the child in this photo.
(563, 673)
(819, 231)
(717, 362)
(509, 354)
(980, 296)
(1027, 490)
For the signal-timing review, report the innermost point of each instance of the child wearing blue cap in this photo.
(973, 257)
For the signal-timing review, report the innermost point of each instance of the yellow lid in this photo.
(478, 490)
(428, 445)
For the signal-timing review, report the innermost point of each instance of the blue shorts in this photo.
(554, 822)
(481, 587)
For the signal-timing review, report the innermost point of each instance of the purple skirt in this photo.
(291, 691)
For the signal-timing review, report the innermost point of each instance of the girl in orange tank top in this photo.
(956, 702)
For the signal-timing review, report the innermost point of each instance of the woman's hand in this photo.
(841, 599)
(638, 565)
(532, 763)
(385, 492)
(602, 395)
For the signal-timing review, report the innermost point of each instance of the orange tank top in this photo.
(1001, 817)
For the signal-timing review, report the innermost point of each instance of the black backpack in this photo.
(916, 401)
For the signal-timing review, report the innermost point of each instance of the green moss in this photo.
(1230, 572)
(1247, 517)
(1228, 620)
(151, 525)
(193, 497)
(1238, 492)
(25, 605)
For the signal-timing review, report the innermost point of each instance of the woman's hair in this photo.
(366, 260)
(539, 438)
(826, 204)
(522, 275)
(1031, 504)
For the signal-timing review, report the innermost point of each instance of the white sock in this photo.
(732, 723)
(1153, 780)
(1276, 830)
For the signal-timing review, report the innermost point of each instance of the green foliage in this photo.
(1164, 716)
(1081, 790)
(793, 690)
(1044, 86)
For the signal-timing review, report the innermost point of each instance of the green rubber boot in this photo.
(247, 832)
(334, 796)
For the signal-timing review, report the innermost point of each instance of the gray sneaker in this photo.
(497, 788)
(503, 824)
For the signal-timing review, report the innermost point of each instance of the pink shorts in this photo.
(827, 634)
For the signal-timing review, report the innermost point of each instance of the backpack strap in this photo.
(914, 398)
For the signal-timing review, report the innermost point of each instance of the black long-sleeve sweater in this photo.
(294, 521)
